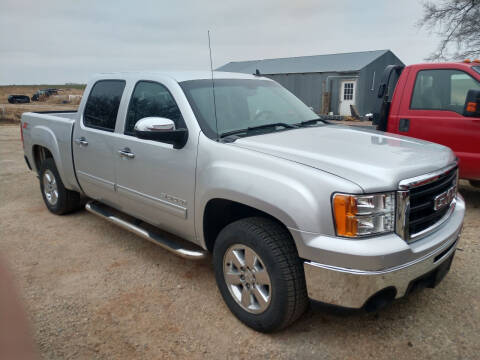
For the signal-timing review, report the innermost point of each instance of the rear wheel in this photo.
(259, 274)
(475, 183)
(57, 198)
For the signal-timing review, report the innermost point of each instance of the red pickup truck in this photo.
(435, 102)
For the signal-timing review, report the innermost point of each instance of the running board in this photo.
(189, 251)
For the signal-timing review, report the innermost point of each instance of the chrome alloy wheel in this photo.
(247, 278)
(50, 187)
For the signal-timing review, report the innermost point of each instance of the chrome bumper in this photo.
(353, 287)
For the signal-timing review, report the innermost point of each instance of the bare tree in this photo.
(458, 24)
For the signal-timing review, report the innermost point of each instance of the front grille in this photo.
(422, 213)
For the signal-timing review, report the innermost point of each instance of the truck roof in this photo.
(178, 76)
(446, 65)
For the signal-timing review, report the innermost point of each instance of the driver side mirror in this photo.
(161, 129)
(472, 104)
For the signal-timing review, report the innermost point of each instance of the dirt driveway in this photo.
(94, 291)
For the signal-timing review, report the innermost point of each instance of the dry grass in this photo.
(67, 99)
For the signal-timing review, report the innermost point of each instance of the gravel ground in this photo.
(95, 291)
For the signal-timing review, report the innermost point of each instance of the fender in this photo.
(292, 193)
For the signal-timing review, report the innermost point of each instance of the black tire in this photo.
(475, 183)
(67, 200)
(276, 248)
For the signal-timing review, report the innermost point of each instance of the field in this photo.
(11, 113)
(95, 291)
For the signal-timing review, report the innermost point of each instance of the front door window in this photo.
(151, 99)
(442, 89)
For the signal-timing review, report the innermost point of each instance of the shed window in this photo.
(348, 91)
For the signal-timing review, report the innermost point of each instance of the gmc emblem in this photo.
(444, 199)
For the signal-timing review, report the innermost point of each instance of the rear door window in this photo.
(102, 106)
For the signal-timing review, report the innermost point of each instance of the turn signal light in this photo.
(345, 209)
(472, 107)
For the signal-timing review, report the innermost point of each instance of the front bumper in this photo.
(353, 287)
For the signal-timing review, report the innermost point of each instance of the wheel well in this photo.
(40, 153)
(221, 212)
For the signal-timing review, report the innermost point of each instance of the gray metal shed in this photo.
(327, 83)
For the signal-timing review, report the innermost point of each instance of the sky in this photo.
(60, 41)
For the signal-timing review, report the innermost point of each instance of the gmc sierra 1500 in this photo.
(291, 207)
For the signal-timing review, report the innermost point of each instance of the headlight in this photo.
(363, 215)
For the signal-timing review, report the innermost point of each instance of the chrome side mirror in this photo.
(154, 124)
(162, 130)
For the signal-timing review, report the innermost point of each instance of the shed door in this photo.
(347, 97)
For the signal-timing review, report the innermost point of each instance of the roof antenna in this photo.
(213, 86)
(257, 73)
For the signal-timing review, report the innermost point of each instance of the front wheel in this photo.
(475, 183)
(259, 273)
(57, 198)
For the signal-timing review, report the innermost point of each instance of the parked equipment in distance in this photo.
(291, 207)
(44, 93)
(18, 99)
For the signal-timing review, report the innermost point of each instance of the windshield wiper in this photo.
(311, 122)
(258, 127)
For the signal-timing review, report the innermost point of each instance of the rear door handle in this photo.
(125, 152)
(81, 141)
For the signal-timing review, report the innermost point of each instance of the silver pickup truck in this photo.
(291, 207)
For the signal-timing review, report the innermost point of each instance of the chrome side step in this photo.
(189, 251)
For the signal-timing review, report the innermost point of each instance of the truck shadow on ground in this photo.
(470, 194)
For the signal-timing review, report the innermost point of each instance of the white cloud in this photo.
(63, 41)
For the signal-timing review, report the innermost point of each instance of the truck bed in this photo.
(52, 130)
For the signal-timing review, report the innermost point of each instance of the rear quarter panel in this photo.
(54, 133)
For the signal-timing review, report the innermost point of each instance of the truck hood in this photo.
(374, 160)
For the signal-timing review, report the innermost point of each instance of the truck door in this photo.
(434, 112)
(93, 146)
(155, 182)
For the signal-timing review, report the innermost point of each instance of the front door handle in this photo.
(404, 125)
(81, 141)
(125, 152)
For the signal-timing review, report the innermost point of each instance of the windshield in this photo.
(476, 68)
(243, 103)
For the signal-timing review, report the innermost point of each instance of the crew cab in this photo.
(435, 102)
(290, 207)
